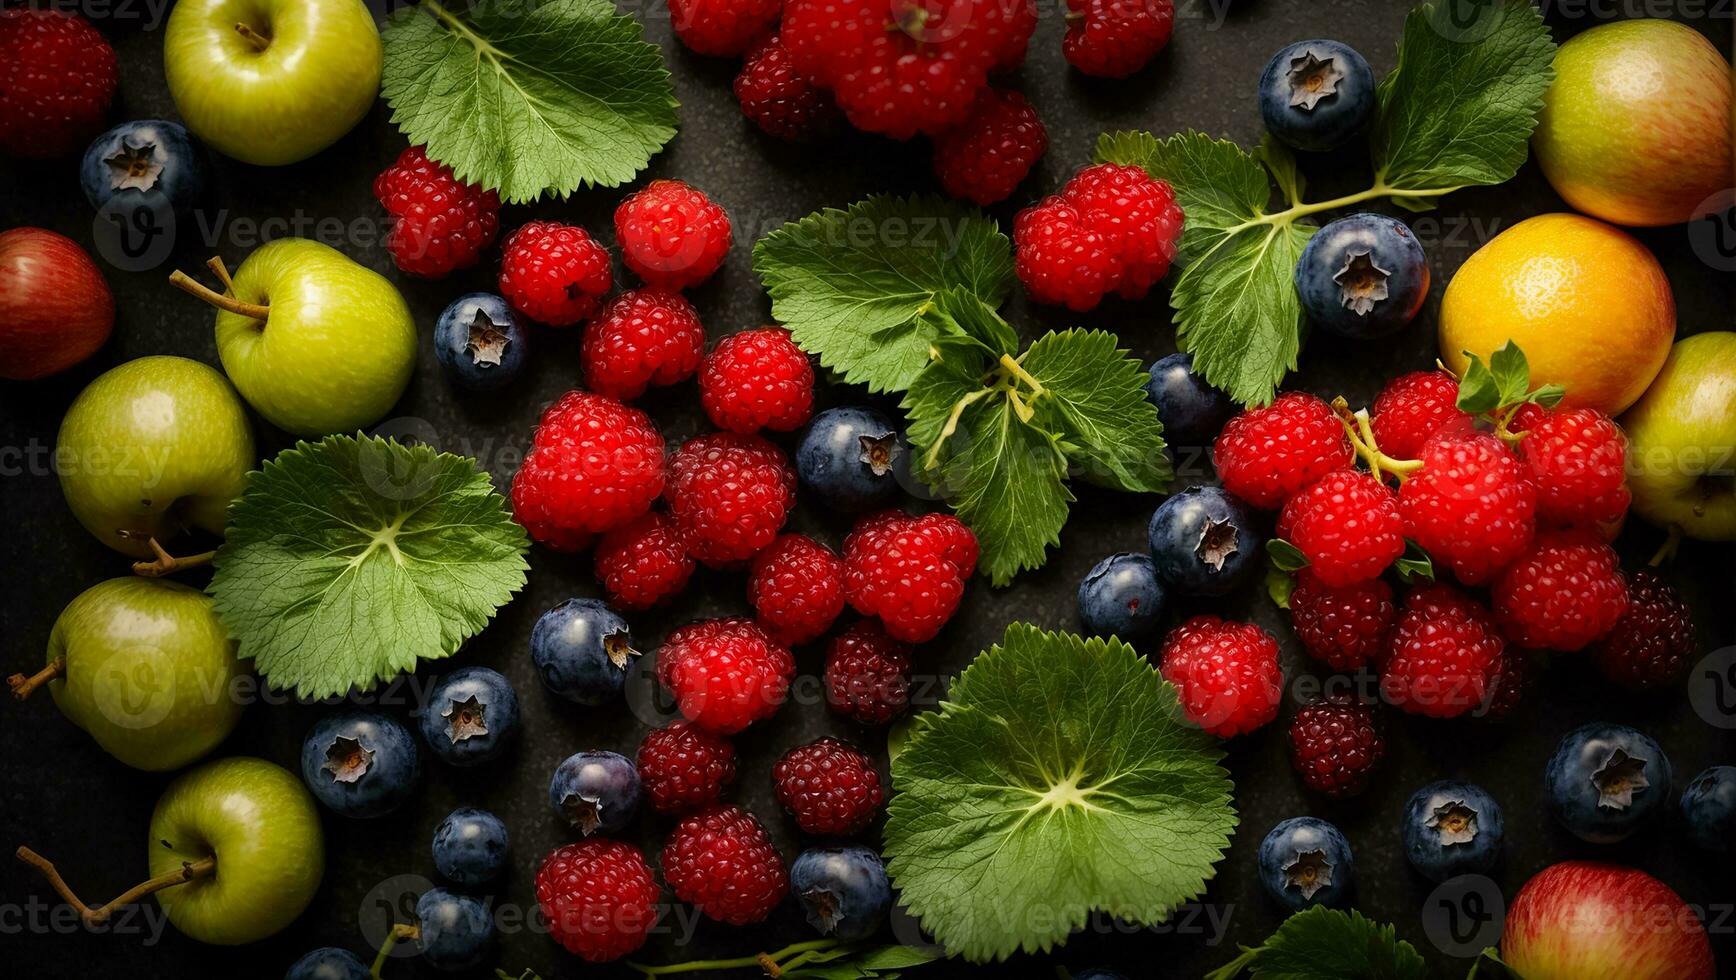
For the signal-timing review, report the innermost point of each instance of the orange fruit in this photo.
(1587, 303)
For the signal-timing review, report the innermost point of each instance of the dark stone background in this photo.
(66, 798)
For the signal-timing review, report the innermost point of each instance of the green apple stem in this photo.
(205, 867)
(189, 284)
(1667, 550)
(22, 687)
(259, 41)
(167, 564)
(402, 931)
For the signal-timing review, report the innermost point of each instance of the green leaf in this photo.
(872, 963)
(1282, 163)
(1280, 585)
(1479, 391)
(348, 560)
(1059, 778)
(958, 313)
(1548, 396)
(1414, 564)
(1286, 557)
(529, 97)
(1512, 373)
(1094, 399)
(853, 285)
(1327, 944)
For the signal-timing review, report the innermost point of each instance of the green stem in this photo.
(1361, 433)
(799, 950)
(400, 931)
(951, 426)
(1291, 214)
(1507, 435)
(1667, 551)
(1011, 365)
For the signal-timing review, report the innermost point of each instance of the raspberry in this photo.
(672, 235)
(598, 897)
(1577, 459)
(1346, 524)
(1413, 407)
(1562, 594)
(1470, 506)
(1115, 38)
(643, 562)
(554, 273)
(757, 379)
(867, 674)
(722, 860)
(1514, 676)
(1264, 455)
(641, 337)
(1225, 673)
(1652, 644)
(684, 768)
(832, 789)
(58, 76)
(593, 465)
(779, 100)
(796, 587)
(730, 495)
(1061, 259)
(1336, 746)
(909, 571)
(725, 674)
(723, 28)
(1016, 37)
(1111, 229)
(439, 223)
(1442, 655)
(984, 159)
(1345, 627)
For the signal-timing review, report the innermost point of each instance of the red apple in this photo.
(1587, 920)
(55, 308)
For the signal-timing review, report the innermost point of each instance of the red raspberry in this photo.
(1443, 653)
(1061, 259)
(554, 273)
(725, 674)
(672, 235)
(867, 674)
(1413, 407)
(1577, 459)
(598, 897)
(832, 789)
(641, 337)
(1563, 593)
(1470, 506)
(593, 465)
(1115, 38)
(1346, 627)
(439, 223)
(643, 562)
(757, 379)
(796, 587)
(1264, 455)
(723, 28)
(1016, 37)
(730, 495)
(1336, 746)
(1226, 674)
(1652, 644)
(722, 860)
(778, 99)
(1112, 228)
(1514, 676)
(683, 767)
(984, 159)
(58, 76)
(909, 571)
(1346, 524)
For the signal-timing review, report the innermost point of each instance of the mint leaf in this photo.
(528, 97)
(1327, 944)
(1094, 399)
(1058, 778)
(348, 560)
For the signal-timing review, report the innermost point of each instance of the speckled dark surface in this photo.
(66, 798)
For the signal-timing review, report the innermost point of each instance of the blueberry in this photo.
(1203, 541)
(480, 342)
(472, 716)
(583, 650)
(149, 163)
(848, 457)
(1709, 808)
(1451, 829)
(457, 931)
(360, 764)
(843, 889)
(596, 792)
(328, 963)
(1098, 973)
(1605, 781)
(1315, 95)
(1121, 596)
(1305, 861)
(1362, 276)
(470, 846)
(1191, 410)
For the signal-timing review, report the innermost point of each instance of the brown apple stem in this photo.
(221, 271)
(22, 687)
(259, 41)
(167, 564)
(222, 302)
(1667, 551)
(402, 931)
(189, 871)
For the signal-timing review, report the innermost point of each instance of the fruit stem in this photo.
(22, 687)
(772, 964)
(401, 931)
(259, 41)
(221, 271)
(1667, 551)
(167, 564)
(1011, 365)
(1358, 427)
(1506, 435)
(205, 867)
(951, 426)
(222, 302)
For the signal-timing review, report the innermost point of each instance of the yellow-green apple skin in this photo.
(1635, 129)
(337, 349)
(150, 671)
(151, 448)
(259, 823)
(317, 76)
(1682, 440)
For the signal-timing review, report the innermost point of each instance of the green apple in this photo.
(1682, 440)
(271, 82)
(151, 448)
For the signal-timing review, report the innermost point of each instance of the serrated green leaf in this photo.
(1548, 396)
(1281, 162)
(1512, 373)
(959, 312)
(872, 963)
(1414, 564)
(1479, 392)
(1285, 556)
(1326, 944)
(1094, 399)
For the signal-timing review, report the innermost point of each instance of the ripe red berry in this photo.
(1061, 258)
(1115, 38)
(1562, 594)
(57, 76)
(1413, 407)
(725, 674)
(554, 273)
(1336, 746)
(730, 495)
(909, 571)
(1112, 228)
(593, 465)
(1471, 506)
(1442, 655)
(867, 674)
(1265, 455)
(757, 379)
(643, 562)
(1514, 676)
(984, 158)
(1225, 673)
(1347, 525)
(1652, 645)
(684, 767)
(723, 28)
(777, 98)
(1345, 627)
(439, 223)
(796, 587)
(832, 789)
(1577, 459)
(722, 860)
(598, 897)
(672, 236)
(641, 337)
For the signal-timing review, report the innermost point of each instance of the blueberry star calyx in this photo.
(1217, 544)
(824, 909)
(880, 452)
(1618, 778)
(347, 760)
(1308, 872)
(1313, 79)
(584, 812)
(465, 719)
(618, 646)
(1361, 283)
(134, 167)
(1454, 823)
(487, 343)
